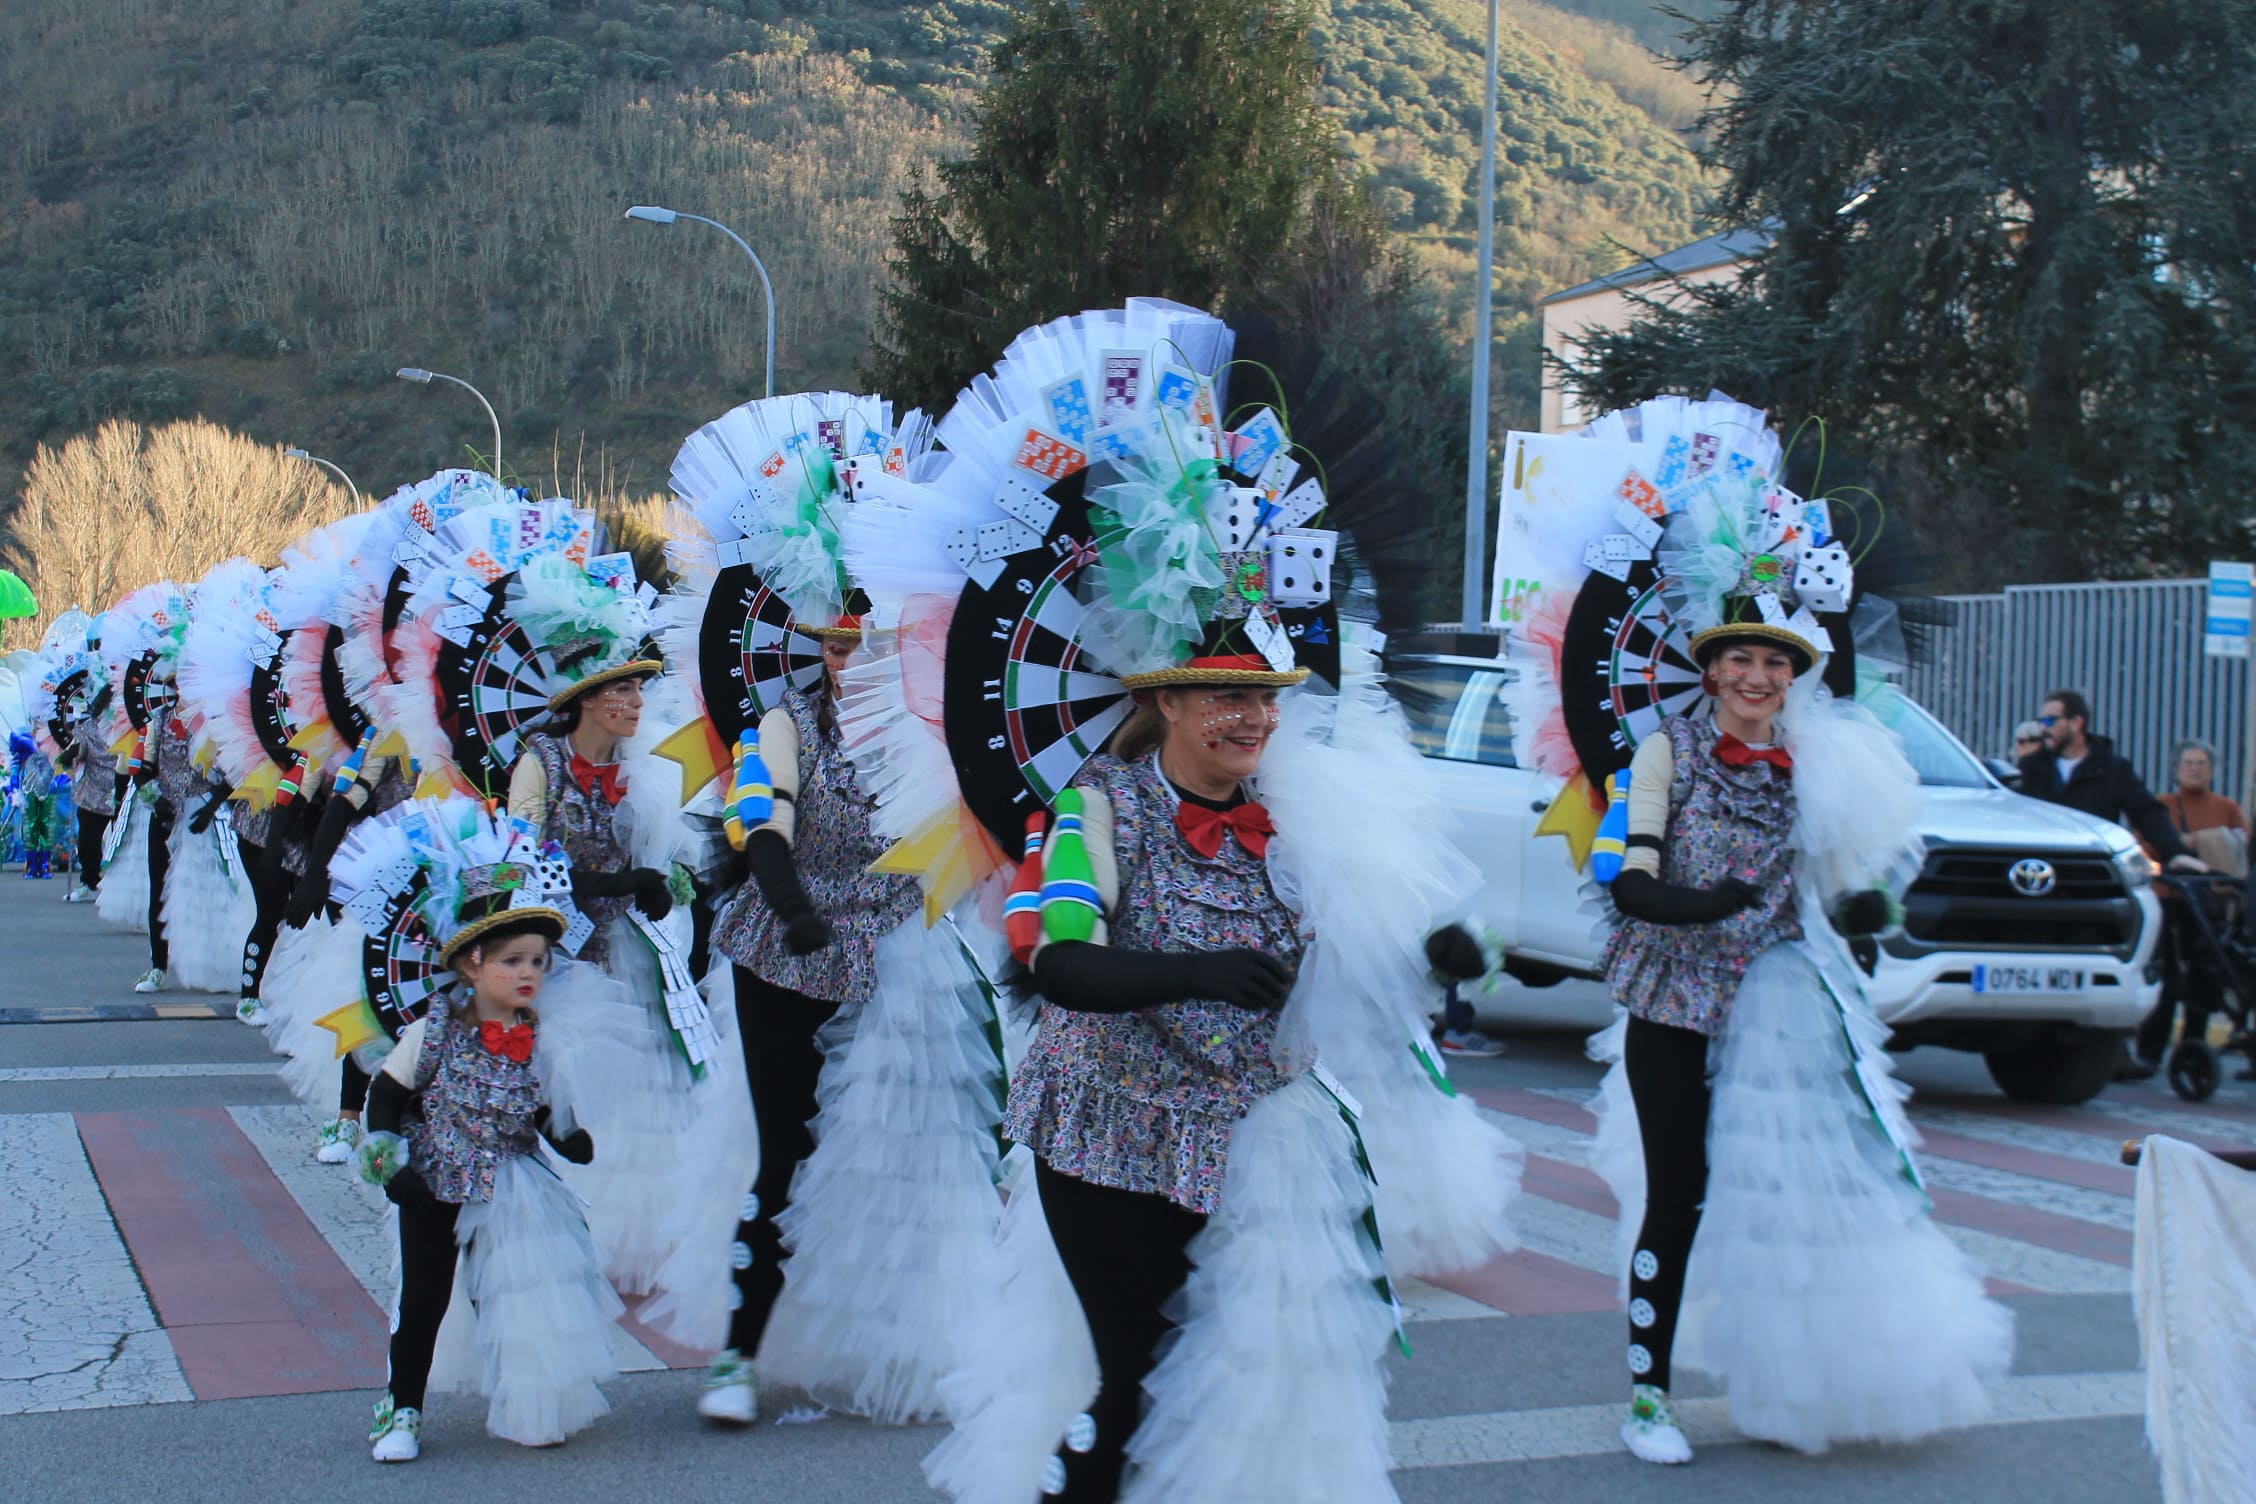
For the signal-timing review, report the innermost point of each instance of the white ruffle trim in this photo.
(530, 1322)
(1272, 1390)
(312, 973)
(894, 1214)
(123, 898)
(2194, 1276)
(208, 913)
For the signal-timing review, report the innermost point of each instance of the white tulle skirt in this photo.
(530, 1322)
(643, 1118)
(123, 899)
(893, 1216)
(208, 912)
(312, 973)
(1820, 1292)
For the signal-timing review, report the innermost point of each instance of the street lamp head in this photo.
(296, 454)
(653, 213)
(413, 373)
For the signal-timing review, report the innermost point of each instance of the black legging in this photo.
(2189, 979)
(352, 1087)
(270, 888)
(1127, 1254)
(161, 817)
(776, 1028)
(1668, 1080)
(92, 828)
(427, 1255)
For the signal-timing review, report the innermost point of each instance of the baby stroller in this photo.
(2219, 960)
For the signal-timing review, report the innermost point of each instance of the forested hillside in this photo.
(256, 209)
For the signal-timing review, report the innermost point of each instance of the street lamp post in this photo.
(655, 215)
(1473, 608)
(425, 378)
(333, 469)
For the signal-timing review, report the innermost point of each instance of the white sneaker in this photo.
(729, 1397)
(152, 980)
(1651, 1432)
(79, 893)
(398, 1434)
(336, 1142)
(250, 1010)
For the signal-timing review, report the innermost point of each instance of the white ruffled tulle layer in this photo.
(642, 1117)
(123, 899)
(1819, 1292)
(208, 913)
(530, 1322)
(312, 973)
(1028, 1364)
(2194, 1279)
(1272, 1389)
(893, 1217)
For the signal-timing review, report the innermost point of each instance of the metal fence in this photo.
(2132, 647)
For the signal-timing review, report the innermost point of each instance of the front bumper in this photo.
(1938, 988)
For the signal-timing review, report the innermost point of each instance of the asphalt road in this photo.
(121, 1327)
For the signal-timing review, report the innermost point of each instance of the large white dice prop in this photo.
(1300, 566)
(1823, 578)
(1232, 514)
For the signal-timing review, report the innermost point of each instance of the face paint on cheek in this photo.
(1218, 721)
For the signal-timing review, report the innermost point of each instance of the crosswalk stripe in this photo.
(29, 1073)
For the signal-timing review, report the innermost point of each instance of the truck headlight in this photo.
(2135, 866)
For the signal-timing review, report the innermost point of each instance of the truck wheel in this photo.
(2060, 1069)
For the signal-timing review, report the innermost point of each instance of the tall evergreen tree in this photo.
(1123, 148)
(2015, 250)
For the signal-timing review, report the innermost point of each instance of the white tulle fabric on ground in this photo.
(1272, 1391)
(1820, 1292)
(123, 899)
(530, 1322)
(692, 1287)
(312, 973)
(1364, 850)
(892, 1218)
(642, 1118)
(208, 912)
(1029, 1366)
(2194, 1277)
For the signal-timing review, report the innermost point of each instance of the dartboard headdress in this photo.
(770, 487)
(381, 575)
(141, 638)
(1106, 522)
(594, 630)
(229, 676)
(70, 676)
(326, 722)
(1649, 540)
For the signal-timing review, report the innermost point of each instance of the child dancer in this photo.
(456, 1120)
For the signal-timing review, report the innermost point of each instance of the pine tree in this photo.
(1123, 148)
(2012, 255)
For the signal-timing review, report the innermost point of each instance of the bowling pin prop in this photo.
(136, 761)
(751, 796)
(348, 772)
(1613, 832)
(1022, 910)
(286, 792)
(1070, 905)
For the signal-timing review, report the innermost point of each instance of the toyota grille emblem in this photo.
(2032, 877)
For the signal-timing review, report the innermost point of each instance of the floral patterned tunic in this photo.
(1146, 1101)
(474, 1108)
(94, 769)
(1723, 822)
(834, 848)
(177, 779)
(581, 823)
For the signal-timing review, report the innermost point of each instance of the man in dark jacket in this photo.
(2082, 771)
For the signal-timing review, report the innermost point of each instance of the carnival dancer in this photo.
(31, 788)
(94, 788)
(865, 1031)
(1227, 916)
(1750, 1126)
(507, 1056)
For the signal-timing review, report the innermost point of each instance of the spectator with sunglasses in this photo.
(2083, 771)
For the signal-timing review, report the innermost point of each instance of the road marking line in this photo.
(18, 1074)
(1593, 1430)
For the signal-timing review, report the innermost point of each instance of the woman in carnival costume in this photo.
(509, 1053)
(140, 646)
(31, 794)
(70, 705)
(866, 1031)
(1230, 917)
(1750, 1125)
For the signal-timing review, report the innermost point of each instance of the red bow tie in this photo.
(514, 1041)
(1734, 753)
(590, 777)
(1203, 827)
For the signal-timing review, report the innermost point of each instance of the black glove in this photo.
(777, 874)
(407, 1187)
(577, 1147)
(1862, 913)
(1099, 979)
(1641, 895)
(201, 820)
(645, 885)
(1452, 951)
(1866, 950)
(312, 890)
(653, 894)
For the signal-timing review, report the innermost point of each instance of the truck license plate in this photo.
(1996, 979)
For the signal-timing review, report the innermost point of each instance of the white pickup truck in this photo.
(2028, 937)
